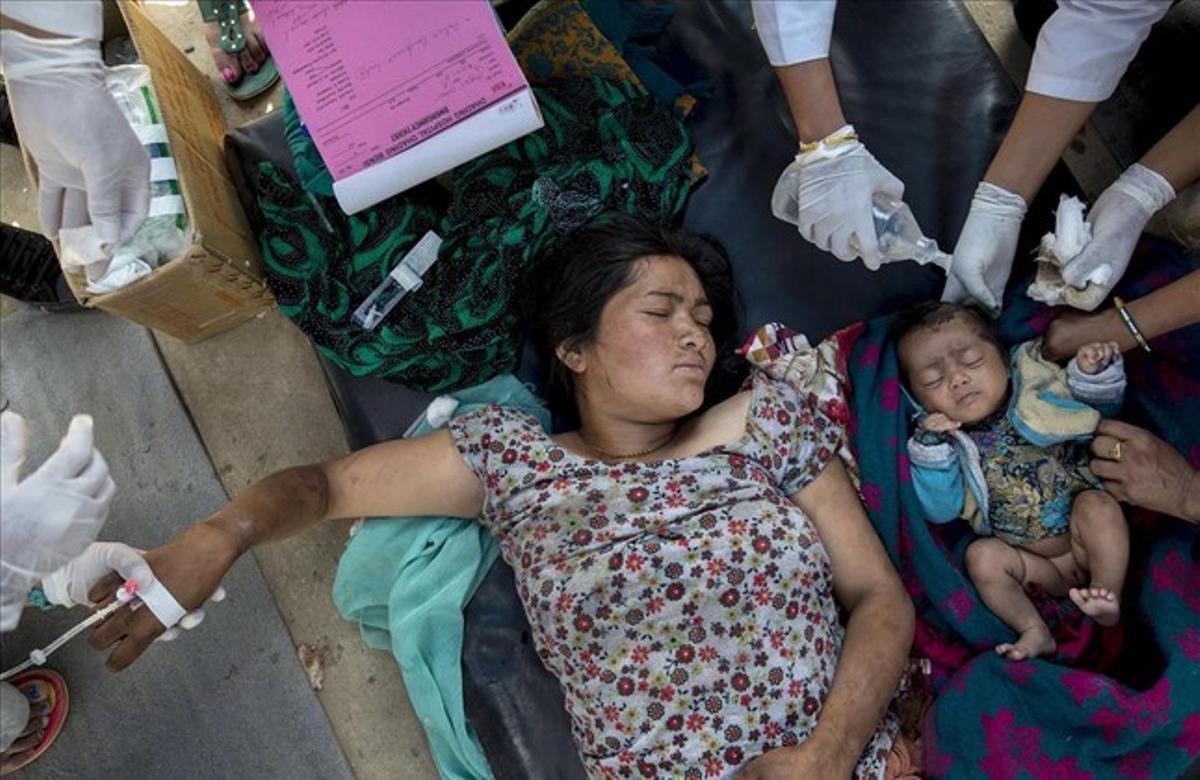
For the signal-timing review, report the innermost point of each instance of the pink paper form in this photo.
(372, 78)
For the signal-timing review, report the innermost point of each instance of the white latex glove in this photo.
(91, 166)
(70, 585)
(51, 516)
(1118, 218)
(834, 187)
(983, 256)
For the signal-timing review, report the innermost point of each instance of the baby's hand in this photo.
(939, 423)
(1094, 358)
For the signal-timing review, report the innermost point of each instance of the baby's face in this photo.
(953, 370)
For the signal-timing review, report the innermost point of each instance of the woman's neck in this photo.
(620, 439)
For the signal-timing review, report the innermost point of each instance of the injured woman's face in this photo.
(653, 352)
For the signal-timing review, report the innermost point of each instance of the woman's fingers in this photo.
(1116, 490)
(1120, 430)
(105, 589)
(133, 645)
(112, 629)
(1109, 447)
(1107, 469)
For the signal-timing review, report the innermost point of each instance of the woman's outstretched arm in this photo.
(421, 476)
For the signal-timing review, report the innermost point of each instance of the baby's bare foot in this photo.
(1030, 644)
(1100, 604)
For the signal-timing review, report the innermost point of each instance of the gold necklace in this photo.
(615, 456)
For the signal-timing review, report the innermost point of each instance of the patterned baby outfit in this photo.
(1030, 488)
(1015, 474)
(685, 606)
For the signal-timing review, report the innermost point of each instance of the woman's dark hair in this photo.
(930, 314)
(589, 266)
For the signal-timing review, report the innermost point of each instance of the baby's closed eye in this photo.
(971, 358)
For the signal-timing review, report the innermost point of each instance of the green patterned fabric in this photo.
(605, 146)
(310, 168)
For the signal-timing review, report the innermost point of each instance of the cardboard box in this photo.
(218, 282)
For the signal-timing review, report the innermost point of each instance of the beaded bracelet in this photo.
(1127, 318)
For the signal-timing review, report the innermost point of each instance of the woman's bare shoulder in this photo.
(724, 423)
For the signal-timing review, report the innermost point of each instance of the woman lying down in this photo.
(682, 572)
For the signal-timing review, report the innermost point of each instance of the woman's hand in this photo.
(1141, 469)
(1070, 331)
(791, 763)
(191, 567)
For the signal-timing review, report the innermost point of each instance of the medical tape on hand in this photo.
(159, 600)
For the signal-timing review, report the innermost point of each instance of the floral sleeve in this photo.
(803, 410)
(492, 441)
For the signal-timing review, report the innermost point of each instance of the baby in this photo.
(1000, 444)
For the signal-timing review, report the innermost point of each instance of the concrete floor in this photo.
(241, 660)
(259, 403)
(258, 400)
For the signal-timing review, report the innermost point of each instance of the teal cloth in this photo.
(406, 581)
(37, 598)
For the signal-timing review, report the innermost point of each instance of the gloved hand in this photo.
(91, 166)
(1118, 218)
(70, 585)
(51, 516)
(834, 186)
(983, 256)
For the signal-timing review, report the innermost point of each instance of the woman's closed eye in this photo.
(703, 322)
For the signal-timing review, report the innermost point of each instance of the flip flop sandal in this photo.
(60, 704)
(227, 14)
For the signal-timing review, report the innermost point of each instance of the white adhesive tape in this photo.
(160, 601)
(166, 205)
(163, 169)
(151, 134)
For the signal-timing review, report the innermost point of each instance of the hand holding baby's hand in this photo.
(939, 423)
(1094, 358)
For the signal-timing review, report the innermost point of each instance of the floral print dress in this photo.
(685, 606)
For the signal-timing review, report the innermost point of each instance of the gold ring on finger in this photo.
(1116, 453)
